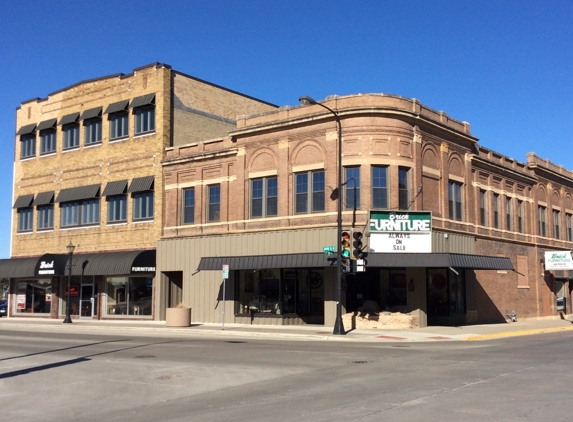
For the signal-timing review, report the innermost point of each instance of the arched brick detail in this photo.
(308, 152)
(456, 166)
(430, 157)
(262, 159)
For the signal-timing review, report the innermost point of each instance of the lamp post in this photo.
(70, 248)
(338, 325)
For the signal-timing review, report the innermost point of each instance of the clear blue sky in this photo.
(506, 67)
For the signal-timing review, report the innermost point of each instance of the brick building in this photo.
(259, 200)
(87, 172)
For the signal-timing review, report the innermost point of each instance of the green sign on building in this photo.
(401, 221)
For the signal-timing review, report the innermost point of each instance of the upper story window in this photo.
(144, 110)
(23, 206)
(116, 197)
(44, 203)
(542, 218)
(483, 207)
(380, 187)
(264, 194)
(455, 200)
(188, 212)
(403, 188)
(496, 211)
(569, 227)
(309, 192)
(352, 188)
(141, 189)
(520, 227)
(92, 126)
(79, 206)
(213, 203)
(118, 117)
(47, 141)
(27, 141)
(556, 224)
(508, 214)
(71, 130)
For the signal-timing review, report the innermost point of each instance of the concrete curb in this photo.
(517, 333)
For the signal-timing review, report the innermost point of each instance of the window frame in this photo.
(509, 213)
(556, 214)
(70, 136)
(27, 146)
(143, 206)
(119, 119)
(188, 210)
(89, 126)
(483, 207)
(266, 200)
(542, 219)
(310, 196)
(213, 203)
(380, 190)
(496, 210)
(45, 217)
(569, 227)
(144, 119)
(116, 204)
(25, 219)
(455, 200)
(355, 203)
(520, 227)
(84, 213)
(48, 141)
(404, 188)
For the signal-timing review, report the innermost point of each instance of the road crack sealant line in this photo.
(517, 333)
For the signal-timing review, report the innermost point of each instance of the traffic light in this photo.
(357, 247)
(344, 251)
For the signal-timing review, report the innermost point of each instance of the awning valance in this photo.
(23, 201)
(44, 198)
(115, 188)
(141, 184)
(144, 100)
(115, 107)
(69, 118)
(78, 194)
(26, 130)
(47, 124)
(380, 260)
(91, 113)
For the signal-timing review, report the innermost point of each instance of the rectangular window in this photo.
(403, 188)
(28, 146)
(496, 210)
(71, 136)
(80, 213)
(214, 203)
(128, 296)
(556, 224)
(116, 208)
(508, 214)
(25, 219)
(46, 217)
(47, 141)
(520, 227)
(188, 206)
(307, 199)
(352, 188)
(118, 125)
(455, 200)
(569, 227)
(144, 120)
(37, 294)
(380, 187)
(542, 217)
(483, 207)
(143, 206)
(264, 197)
(92, 131)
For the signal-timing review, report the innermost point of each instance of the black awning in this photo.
(47, 124)
(18, 267)
(91, 113)
(23, 201)
(439, 260)
(115, 107)
(44, 198)
(141, 184)
(144, 100)
(114, 263)
(77, 194)
(255, 262)
(115, 188)
(69, 118)
(26, 130)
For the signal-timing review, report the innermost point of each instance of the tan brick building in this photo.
(87, 171)
(260, 201)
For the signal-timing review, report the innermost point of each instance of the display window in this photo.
(129, 296)
(33, 296)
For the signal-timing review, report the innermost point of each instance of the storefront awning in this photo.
(303, 260)
(439, 260)
(55, 265)
(383, 260)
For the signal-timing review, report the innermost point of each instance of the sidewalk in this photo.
(293, 332)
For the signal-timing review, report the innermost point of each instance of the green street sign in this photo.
(328, 249)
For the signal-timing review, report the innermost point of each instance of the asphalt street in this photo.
(56, 376)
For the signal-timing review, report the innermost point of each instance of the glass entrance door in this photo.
(87, 301)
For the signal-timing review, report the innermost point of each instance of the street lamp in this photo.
(70, 248)
(338, 325)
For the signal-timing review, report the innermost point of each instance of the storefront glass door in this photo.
(87, 301)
